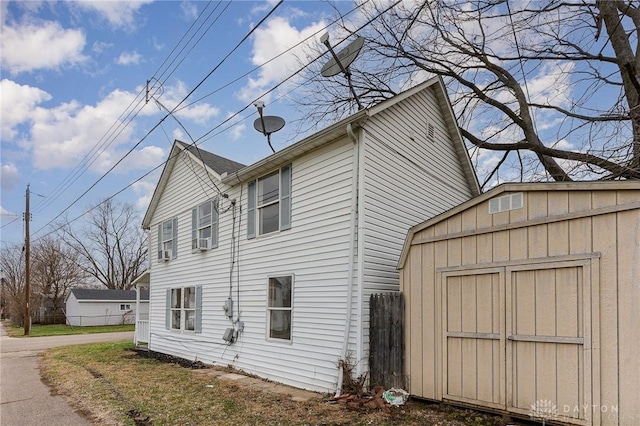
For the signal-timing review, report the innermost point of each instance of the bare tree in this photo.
(112, 246)
(13, 282)
(55, 270)
(542, 89)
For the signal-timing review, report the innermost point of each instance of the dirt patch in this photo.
(194, 365)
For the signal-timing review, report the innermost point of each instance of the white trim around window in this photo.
(204, 226)
(280, 308)
(269, 203)
(184, 309)
(168, 240)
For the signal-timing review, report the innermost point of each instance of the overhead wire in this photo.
(201, 138)
(251, 31)
(125, 117)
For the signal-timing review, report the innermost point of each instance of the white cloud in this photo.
(120, 14)
(269, 41)
(100, 46)
(10, 176)
(189, 10)
(63, 135)
(145, 158)
(145, 190)
(44, 45)
(16, 105)
(238, 131)
(200, 113)
(129, 58)
(6, 213)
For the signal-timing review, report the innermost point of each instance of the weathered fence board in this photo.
(386, 340)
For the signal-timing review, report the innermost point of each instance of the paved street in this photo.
(24, 399)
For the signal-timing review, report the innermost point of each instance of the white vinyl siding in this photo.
(411, 173)
(315, 249)
(392, 196)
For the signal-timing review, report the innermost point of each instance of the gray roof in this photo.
(215, 162)
(108, 295)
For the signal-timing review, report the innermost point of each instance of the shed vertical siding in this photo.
(314, 251)
(596, 222)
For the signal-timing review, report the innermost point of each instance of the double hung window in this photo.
(184, 306)
(204, 226)
(168, 239)
(269, 203)
(279, 307)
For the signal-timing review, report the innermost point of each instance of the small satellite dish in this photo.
(268, 124)
(343, 59)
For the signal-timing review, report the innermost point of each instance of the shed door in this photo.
(473, 346)
(518, 338)
(546, 326)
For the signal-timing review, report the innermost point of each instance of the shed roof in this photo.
(514, 187)
(108, 295)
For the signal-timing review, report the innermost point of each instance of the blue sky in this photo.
(73, 86)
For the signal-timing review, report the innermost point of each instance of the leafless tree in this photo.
(13, 282)
(542, 89)
(55, 270)
(112, 246)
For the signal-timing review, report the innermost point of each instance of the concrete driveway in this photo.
(24, 399)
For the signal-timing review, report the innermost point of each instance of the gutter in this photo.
(352, 254)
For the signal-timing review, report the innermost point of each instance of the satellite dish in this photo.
(340, 63)
(344, 58)
(268, 124)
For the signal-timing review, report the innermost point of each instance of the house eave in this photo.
(291, 152)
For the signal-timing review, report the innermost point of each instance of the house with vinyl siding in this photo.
(269, 267)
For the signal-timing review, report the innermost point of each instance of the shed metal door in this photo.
(517, 338)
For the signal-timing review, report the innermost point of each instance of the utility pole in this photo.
(27, 268)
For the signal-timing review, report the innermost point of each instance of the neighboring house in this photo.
(270, 267)
(88, 307)
(525, 300)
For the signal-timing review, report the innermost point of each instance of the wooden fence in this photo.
(386, 341)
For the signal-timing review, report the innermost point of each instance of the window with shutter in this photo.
(269, 203)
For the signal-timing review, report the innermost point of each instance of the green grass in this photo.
(109, 381)
(38, 330)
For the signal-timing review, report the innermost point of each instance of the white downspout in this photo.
(352, 254)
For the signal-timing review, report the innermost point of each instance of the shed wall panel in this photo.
(566, 224)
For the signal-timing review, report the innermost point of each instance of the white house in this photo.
(88, 307)
(269, 267)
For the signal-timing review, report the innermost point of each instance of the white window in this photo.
(204, 226)
(184, 306)
(125, 306)
(269, 203)
(168, 239)
(279, 307)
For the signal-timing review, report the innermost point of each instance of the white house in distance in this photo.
(89, 307)
(269, 267)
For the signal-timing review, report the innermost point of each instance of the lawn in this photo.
(114, 385)
(38, 330)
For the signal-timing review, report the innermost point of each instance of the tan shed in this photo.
(526, 300)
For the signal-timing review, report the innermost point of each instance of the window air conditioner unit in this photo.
(203, 244)
(166, 255)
